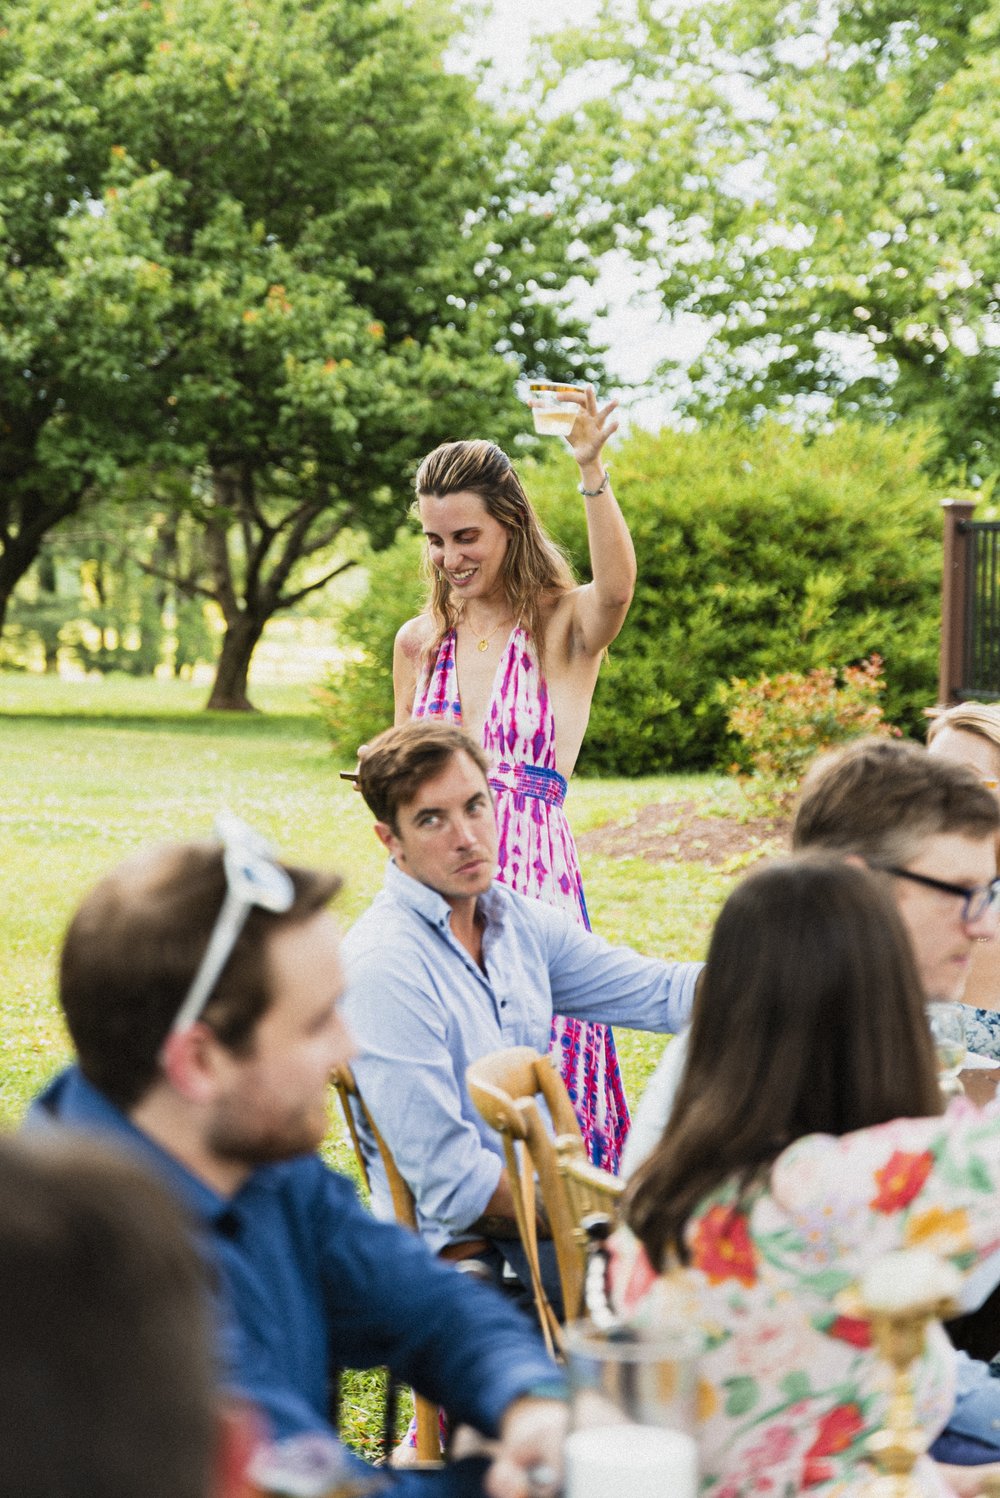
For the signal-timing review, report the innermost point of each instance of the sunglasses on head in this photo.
(253, 880)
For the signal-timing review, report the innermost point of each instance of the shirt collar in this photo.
(74, 1101)
(404, 890)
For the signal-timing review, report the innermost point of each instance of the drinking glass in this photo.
(553, 416)
(632, 1414)
(947, 1022)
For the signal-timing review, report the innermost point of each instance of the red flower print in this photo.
(641, 1275)
(900, 1180)
(722, 1247)
(836, 1431)
(851, 1329)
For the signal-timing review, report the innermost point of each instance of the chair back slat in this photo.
(589, 1189)
(504, 1087)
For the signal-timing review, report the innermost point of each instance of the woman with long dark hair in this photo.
(510, 646)
(806, 1141)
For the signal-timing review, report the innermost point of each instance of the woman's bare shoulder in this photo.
(414, 636)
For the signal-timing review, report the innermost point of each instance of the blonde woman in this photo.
(509, 646)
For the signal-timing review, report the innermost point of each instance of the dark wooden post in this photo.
(954, 600)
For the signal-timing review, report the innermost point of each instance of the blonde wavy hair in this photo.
(971, 717)
(534, 569)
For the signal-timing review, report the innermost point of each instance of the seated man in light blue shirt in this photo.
(449, 965)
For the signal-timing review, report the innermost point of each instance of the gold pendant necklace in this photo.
(483, 643)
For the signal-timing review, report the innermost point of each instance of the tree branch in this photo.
(292, 598)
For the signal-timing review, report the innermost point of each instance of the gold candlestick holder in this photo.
(899, 1331)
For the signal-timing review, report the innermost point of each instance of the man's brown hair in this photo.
(134, 946)
(401, 759)
(882, 798)
(107, 1379)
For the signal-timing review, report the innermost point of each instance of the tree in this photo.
(337, 263)
(79, 298)
(820, 181)
(95, 593)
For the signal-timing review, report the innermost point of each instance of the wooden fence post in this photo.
(955, 582)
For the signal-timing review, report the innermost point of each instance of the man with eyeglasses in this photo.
(201, 985)
(931, 827)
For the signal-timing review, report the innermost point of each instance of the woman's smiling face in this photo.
(464, 542)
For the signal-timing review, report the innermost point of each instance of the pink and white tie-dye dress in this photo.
(537, 855)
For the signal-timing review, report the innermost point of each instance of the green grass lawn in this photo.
(91, 770)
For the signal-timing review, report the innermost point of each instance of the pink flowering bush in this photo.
(782, 722)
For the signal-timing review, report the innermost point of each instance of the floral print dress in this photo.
(789, 1387)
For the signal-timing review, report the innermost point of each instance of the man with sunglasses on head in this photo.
(931, 827)
(201, 985)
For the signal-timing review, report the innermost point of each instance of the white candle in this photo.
(908, 1278)
(640, 1460)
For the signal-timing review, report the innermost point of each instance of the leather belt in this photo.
(472, 1248)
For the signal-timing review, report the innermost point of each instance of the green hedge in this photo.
(759, 551)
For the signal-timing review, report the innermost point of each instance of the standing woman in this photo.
(509, 646)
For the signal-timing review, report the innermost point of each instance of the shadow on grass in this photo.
(197, 721)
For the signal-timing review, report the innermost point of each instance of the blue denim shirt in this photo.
(422, 1010)
(306, 1282)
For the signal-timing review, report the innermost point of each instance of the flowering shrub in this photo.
(783, 721)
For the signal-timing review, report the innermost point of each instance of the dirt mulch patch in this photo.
(677, 832)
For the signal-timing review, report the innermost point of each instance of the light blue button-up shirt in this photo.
(423, 1010)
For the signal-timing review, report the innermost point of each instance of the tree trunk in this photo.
(229, 690)
(27, 521)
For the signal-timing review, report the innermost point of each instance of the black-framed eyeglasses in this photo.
(252, 879)
(977, 899)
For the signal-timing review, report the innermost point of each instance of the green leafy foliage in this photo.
(784, 721)
(820, 182)
(277, 246)
(759, 551)
(97, 597)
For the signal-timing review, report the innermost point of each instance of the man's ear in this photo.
(856, 860)
(386, 836)
(188, 1061)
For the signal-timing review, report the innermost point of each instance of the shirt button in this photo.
(503, 1003)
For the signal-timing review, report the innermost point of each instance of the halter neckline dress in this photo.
(537, 855)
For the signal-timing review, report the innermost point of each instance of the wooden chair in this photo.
(428, 1433)
(590, 1190)
(505, 1087)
